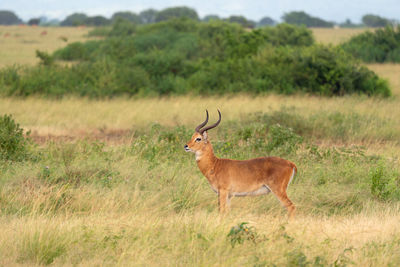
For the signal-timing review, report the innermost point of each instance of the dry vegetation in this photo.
(335, 36)
(19, 43)
(162, 212)
(77, 118)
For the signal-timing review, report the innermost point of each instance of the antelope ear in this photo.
(205, 137)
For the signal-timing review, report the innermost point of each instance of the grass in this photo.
(89, 203)
(108, 182)
(336, 36)
(389, 71)
(75, 118)
(19, 43)
(200, 239)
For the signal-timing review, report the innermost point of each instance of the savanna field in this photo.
(106, 181)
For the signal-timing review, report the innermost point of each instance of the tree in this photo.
(9, 18)
(75, 19)
(34, 21)
(242, 21)
(266, 21)
(302, 18)
(96, 21)
(349, 24)
(127, 15)
(374, 21)
(210, 17)
(148, 16)
(52, 22)
(176, 12)
(122, 27)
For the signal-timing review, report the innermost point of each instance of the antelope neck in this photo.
(206, 160)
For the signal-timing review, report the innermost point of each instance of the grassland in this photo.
(336, 36)
(19, 43)
(108, 182)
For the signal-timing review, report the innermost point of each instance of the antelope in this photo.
(236, 178)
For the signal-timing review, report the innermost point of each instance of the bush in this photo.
(286, 34)
(315, 69)
(13, 145)
(122, 27)
(284, 139)
(100, 32)
(384, 183)
(240, 233)
(184, 56)
(9, 77)
(382, 45)
(302, 18)
(78, 51)
(45, 58)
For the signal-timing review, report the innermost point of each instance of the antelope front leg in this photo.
(223, 196)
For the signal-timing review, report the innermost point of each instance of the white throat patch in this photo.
(198, 155)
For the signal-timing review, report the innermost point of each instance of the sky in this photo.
(331, 10)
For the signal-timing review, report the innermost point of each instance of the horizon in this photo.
(334, 11)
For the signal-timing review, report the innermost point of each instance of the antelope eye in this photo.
(198, 139)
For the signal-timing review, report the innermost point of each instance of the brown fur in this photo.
(242, 177)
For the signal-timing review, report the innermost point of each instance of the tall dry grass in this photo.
(336, 35)
(82, 117)
(145, 236)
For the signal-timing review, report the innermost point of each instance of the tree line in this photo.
(149, 16)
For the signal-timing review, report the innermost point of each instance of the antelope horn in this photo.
(202, 124)
(211, 126)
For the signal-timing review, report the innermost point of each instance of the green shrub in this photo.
(99, 32)
(45, 58)
(122, 27)
(286, 34)
(242, 232)
(78, 51)
(183, 56)
(282, 138)
(385, 183)
(318, 70)
(9, 77)
(382, 45)
(13, 144)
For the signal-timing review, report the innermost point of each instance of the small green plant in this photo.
(242, 232)
(283, 138)
(13, 144)
(45, 58)
(384, 183)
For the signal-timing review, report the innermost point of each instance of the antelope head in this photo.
(199, 143)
